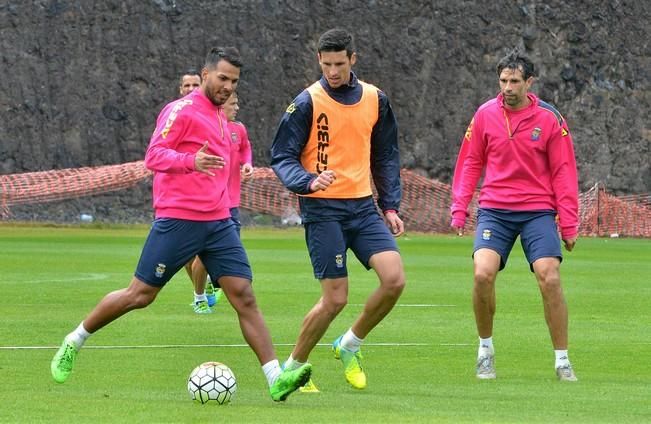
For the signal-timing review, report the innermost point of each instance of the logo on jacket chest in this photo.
(323, 142)
(535, 134)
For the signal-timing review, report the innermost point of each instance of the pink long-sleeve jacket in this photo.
(240, 154)
(182, 128)
(528, 161)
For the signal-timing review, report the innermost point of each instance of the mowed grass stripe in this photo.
(605, 281)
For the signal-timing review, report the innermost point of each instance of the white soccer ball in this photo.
(212, 382)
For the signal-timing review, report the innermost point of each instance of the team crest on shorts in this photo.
(339, 260)
(486, 235)
(160, 270)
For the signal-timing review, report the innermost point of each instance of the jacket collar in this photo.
(198, 97)
(532, 98)
(352, 83)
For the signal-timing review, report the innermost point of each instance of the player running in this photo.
(191, 203)
(206, 295)
(331, 139)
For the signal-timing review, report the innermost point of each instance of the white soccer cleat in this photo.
(486, 367)
(566, 373)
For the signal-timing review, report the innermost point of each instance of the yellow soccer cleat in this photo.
(352, 365)
(309, 387)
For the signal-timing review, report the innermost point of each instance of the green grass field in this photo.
(419, 361)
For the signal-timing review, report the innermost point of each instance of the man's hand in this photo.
(394, 223)
(247, 171)
(569, 243)
(203, 162)
(323, 181)
(457, 224)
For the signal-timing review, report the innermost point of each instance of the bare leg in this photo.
(487, 264)
(240, 294)
(334, 296)
(547, 272)
(389, 269)
(198, 276)
(115, 304)
(188, 268)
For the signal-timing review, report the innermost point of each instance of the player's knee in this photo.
(484, 277)
(242, 296)
(247, 301)
(337, 305)
(549, 282)
(548, 275)
(332, 305)
(140, 295)
(142, 300)
(394, 285)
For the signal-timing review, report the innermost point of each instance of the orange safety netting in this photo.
(425, 204)
(50, 186)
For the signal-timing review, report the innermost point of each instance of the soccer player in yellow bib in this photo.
(333, 138)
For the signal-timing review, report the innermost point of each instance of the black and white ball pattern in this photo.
(212, 382)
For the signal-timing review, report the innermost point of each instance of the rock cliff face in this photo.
(83, 81)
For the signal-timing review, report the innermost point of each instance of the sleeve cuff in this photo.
(569, 232)
(458, 219)
(188, 161)
(458, 223)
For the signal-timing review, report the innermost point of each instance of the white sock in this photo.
(78, 336)
(292, 364)
(562, 358)
(200, 297)
(350, 341)
(271, 370)
(486, 346)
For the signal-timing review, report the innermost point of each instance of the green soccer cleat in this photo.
(290, 381)
(309, 387)
(213, 294)
(352, 364)
(201, 307)
(64, 359)
(218, 295)
(210, 293)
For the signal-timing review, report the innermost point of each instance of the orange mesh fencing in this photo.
(62, 184)
(425, 205)
(603, 214)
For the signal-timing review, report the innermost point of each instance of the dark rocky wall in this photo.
(82, 81)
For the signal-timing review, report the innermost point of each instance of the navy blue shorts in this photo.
(173, 242)
(328, 241)
(497, 230)
(235, 216)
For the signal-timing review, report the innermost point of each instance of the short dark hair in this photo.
(517, 59)
(229, 54)
(336, 40)
(189, 71)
